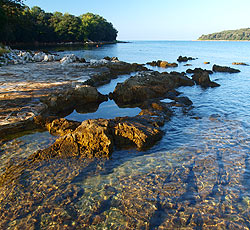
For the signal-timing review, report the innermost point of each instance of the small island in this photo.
(228, 35)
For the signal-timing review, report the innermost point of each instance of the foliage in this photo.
(19, 23)
(241, 34)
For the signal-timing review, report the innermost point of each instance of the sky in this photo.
(159, 19)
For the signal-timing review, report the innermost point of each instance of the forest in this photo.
(234, 35)
(20, 24)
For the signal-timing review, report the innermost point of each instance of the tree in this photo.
(96, 28)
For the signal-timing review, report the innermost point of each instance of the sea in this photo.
(196, 177)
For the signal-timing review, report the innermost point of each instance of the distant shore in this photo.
(55, 44)
(221, 40)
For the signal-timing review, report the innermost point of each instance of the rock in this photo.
(62, 126)
(135, 130)
(98, 62)
(38, 57)
(199, 70)
(162, 64)
(147, 85)
(183, 100)
(206, 62)
(74, 97)
(112, 59)
(224, 69)
(48, 57)
(96, 138)
(93, 138)
(239, 63)
(69, 58)
(184, 59)
(203, 80)
(188, 65)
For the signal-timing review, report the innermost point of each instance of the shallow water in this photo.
(196, 177)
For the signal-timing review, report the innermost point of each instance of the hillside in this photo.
(241, 34)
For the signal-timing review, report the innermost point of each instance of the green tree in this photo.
(96, 28)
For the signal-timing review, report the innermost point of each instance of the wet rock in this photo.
(163, 64)
(156, 109)
(206, 62)
(203, 80)
(91, 139)
(184, 59)
(147, 85)
(112, 59)
(96, 138)
(183, 100)
(135, 130)
(239, 63)
(80, 95)
(224, 69)
(199, 70)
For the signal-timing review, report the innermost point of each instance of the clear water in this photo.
(196, 177)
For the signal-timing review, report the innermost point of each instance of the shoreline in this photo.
(221, 40)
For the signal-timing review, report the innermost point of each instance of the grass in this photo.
(3, 51)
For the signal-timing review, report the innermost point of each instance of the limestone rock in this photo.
(203, 80)
(224, 69)
(147, 85)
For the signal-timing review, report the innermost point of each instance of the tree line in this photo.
(241, 34)
(20, 24)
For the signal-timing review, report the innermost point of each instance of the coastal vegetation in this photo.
(20, 24)
(234, 35)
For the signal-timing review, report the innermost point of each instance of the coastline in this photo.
(198, 40)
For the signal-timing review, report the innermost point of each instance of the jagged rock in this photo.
(38, 57)
(93, 138)
(69, 58)
(147, 85)
(184, 59)
(203, 80)
(112, 59)
(199, 70)
(129, 130)
(62, 126)
(74, 97)
(163, 64)
(224, 69)
(96, 138)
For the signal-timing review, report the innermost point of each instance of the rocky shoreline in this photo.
(38, 90)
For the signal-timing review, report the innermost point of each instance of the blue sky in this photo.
(159, 19)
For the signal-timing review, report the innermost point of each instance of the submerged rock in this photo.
(203, 80)
(224, 69)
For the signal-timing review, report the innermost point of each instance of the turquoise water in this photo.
(196, 177)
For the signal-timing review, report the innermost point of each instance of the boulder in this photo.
(203, 80)
(184, 59)
(69, 58)
(93, 138)
(224, 69)
(96, 138)
(206, 62)
(38, 57)
(74, 97)
(147, 85)
(199, 70)
(62, 126)
(135, 131)
(162, 64)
